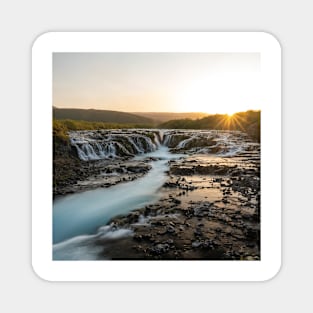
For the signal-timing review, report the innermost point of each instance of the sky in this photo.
(158, 82)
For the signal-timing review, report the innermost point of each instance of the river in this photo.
(77, 218)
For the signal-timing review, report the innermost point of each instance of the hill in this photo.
(105, 116)
(248, 122)
(162, 117)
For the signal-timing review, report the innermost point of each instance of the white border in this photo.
(270, 51)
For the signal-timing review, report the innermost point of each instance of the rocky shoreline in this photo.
(209, 210)
(77, 167)
(78, 176)
(213, 216)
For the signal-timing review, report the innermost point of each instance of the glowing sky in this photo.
(157, 82)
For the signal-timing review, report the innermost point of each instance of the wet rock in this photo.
(201, 230)
(198, 232)
(252, 234)
(157, 222)
(170, 229)
(249, 258)
(133, 217)
(179, 170)
(160, 248)
(176, 201)
(137, 237)
(199, 212)
(170, 185)
(196, 244)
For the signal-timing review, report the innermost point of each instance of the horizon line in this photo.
(133, 112)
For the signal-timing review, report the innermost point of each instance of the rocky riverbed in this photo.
(96, 159)
(78, 176)
(210, 204)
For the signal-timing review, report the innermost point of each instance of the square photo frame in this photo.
(217, 241)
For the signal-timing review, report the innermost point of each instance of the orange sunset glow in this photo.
(157, 82)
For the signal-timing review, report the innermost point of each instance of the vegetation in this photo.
(65, 164)
(162, 117)
(245, 121)
(103, 116)
(62, 127)
(67, 125)
(151, 118)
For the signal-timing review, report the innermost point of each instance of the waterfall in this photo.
(183, 143)
(156, 139)
(111, 144)
(98, 145)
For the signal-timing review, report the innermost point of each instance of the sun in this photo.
(233, 121)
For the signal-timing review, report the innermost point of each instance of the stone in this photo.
(176, 201)
(160, 248)
(196, 244)
(198, 232)
(170, 229)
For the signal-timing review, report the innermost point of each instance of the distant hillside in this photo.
(167, 116)
(248, 121)
(106, 116)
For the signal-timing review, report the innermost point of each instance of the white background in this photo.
(270, 54)
(22, 21)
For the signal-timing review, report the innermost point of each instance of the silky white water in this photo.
(83, 213)
(79, 219)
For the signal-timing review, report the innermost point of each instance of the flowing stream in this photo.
(80, 218)
(81, 214)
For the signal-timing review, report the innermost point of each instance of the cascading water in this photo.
(223, 143)
(97, 145)
(79, 218)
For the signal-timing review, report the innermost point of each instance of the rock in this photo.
(170, 185)
(196, 244)
(250, 244)
(198, 232)
(252, 234)
(176, 201)
(170, 229)
(158, 223)
(249, 258)
(160, 248)
(137, 237)
(179, 170)
(198, 212)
